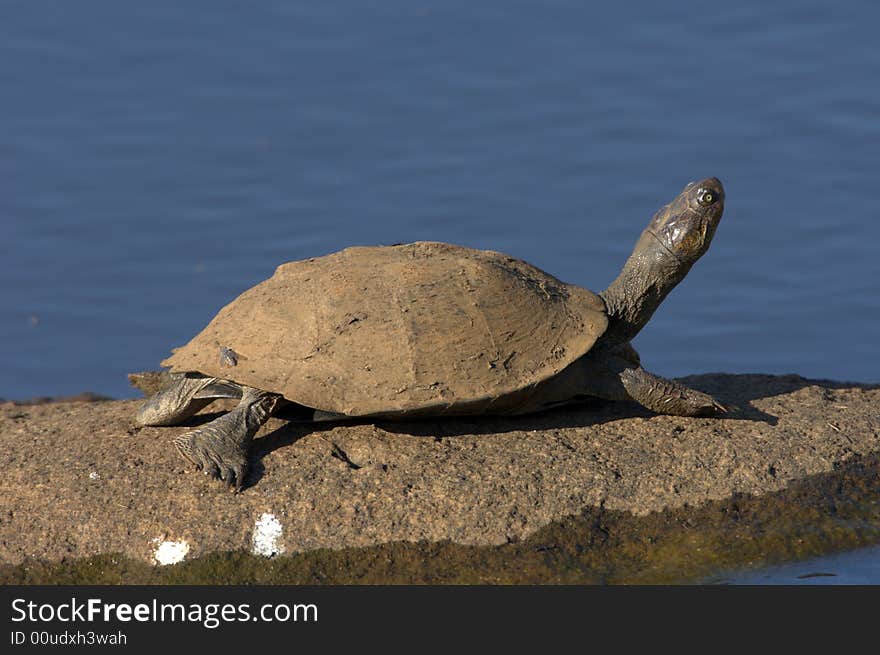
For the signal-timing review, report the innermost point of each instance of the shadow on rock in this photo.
(736, 391)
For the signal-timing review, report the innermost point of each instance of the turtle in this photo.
(430, 329)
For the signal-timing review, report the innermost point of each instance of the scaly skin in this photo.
(666, 396)
(176, 403)
(677, 236)
(616, 373)
(220, 448)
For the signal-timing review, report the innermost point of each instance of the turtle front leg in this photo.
(220, 448)
(176, 403)
(667, 397)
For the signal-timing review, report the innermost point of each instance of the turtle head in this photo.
(686, 225)
(677, 236)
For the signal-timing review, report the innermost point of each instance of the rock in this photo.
(80, 480)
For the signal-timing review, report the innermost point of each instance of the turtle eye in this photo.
(706, 197)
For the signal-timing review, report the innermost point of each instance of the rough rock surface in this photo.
(79, 480)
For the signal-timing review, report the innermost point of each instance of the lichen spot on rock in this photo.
(267, 533)
(169, 552)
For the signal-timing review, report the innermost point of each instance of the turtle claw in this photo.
(202, 450)
(708, 406)
(233, 476)
(668, 396)
(240, 472)
(220, 448)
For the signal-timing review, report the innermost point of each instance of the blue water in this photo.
(857, 567)
(156, 159)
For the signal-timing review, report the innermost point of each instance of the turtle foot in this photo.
(702, 404)
(667, 396)
(219, 458)
(220, 448)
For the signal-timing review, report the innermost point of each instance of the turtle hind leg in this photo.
(220, 448)
(185, 397)
(667, 397)
(220, 389)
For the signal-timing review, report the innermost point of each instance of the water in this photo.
(857, 567)
(155, 162)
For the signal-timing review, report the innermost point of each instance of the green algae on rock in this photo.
(820, 514)
(81, 482)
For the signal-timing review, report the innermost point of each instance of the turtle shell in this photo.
(419, 328)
